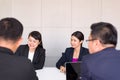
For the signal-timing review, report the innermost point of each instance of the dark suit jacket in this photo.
(15, 68)
(68, 55)
(39, 55)
(103, 65)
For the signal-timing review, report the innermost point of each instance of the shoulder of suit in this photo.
(69, 48)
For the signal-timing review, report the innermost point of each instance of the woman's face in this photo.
(75, 43)
(32, 42)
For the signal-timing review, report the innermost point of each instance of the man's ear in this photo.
(19, 41)
(17, 44)
(97, 44)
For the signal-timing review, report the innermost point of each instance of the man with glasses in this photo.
(103, 62)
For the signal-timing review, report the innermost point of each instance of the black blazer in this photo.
(68, 55)
(39, 55)
(14, 67)
(103, 65)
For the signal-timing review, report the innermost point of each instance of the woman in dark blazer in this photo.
(33, 50)
(74, 53)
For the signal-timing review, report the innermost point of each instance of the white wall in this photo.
(58, 19)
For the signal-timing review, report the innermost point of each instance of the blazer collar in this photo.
(6, 51)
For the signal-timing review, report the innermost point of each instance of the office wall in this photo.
(58, 19)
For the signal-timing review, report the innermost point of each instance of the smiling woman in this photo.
(73, 53)
(33, 50)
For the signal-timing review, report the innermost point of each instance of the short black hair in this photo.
(10, 29)
(105, 32)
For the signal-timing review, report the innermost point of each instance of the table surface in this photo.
(50, 73)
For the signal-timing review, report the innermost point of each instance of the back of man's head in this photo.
(10, 29)
(105, 32)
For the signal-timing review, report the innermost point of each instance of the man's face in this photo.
(91, 45)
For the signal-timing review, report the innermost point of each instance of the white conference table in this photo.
(50, 73)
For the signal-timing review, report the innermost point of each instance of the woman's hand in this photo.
(62, 69)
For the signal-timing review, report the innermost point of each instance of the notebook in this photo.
(73, 71)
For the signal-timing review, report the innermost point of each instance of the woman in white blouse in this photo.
(33, 50)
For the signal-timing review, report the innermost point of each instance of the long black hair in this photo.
(79, 35)
(37, 35)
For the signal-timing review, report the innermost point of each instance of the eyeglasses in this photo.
(90, 40)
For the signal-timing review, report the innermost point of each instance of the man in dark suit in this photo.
(13, 67)
(103, 62)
